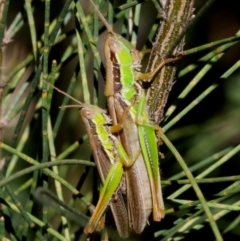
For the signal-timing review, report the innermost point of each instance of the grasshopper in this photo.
(107, 152)
(110, 157)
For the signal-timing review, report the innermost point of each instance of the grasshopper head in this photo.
(113, 43)
(88, 113)
(94, 114)
(116, 45)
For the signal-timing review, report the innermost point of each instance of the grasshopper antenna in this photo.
(107, 25)
(64, 93)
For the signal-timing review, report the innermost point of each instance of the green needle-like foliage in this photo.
(48, 180)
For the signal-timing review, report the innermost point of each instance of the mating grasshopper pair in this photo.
(138, 151)
(131, 157)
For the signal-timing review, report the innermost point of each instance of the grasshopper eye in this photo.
(88, 114)
(114, 46)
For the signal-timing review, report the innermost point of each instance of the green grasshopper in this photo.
(109, 156)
